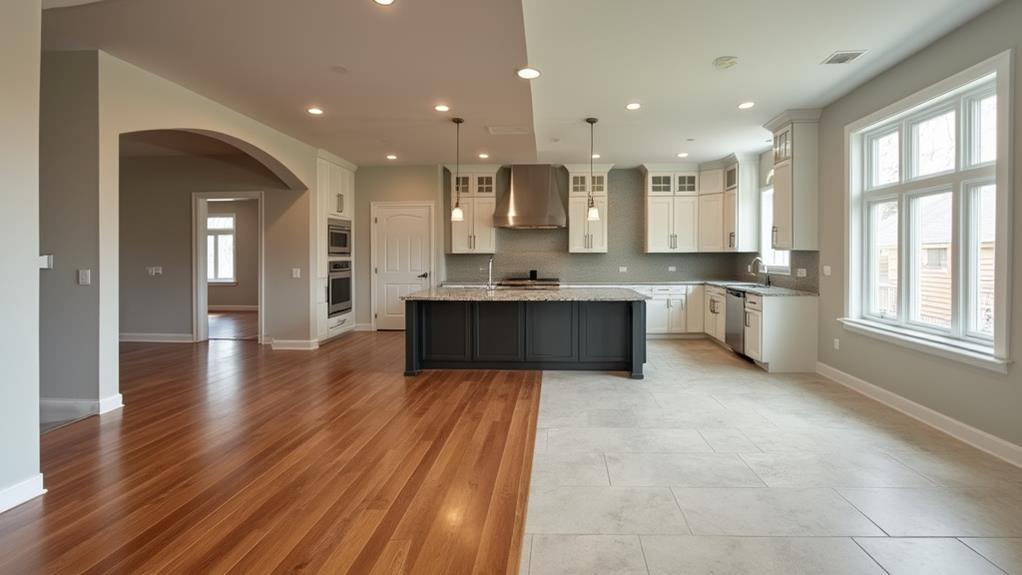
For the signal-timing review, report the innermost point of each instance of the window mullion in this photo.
(905, 240)
(957, 253)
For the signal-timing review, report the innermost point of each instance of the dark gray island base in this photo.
(564, 329)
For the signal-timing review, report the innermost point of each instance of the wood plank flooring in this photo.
(231, 458)
(234, 325)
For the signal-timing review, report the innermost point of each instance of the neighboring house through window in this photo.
(220, 248)
(927, 188)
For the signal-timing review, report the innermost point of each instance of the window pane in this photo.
(884, 259)
(220, 222)
(886, 159)
(225, 257)
(986, 124)
(211, 257)
(771, 257)
(984, 225)
(934, 141)
(931, 289)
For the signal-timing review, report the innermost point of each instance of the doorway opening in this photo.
(228, 266)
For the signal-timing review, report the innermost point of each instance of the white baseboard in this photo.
(363, 327)
(676, 336)
(157, 337)
(21, 492)
(294, 344)
(232, 308)
(53, 409)
(977, 438)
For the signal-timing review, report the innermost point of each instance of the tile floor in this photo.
(711, 465)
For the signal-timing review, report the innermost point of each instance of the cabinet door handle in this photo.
(747, 319)
(340, 203)
(773, 237)
(731, 240)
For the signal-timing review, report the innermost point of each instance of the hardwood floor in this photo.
(234, 325)
(231, 458)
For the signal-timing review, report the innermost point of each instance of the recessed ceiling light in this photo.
(484, 156)
(384, 2)
(315, 111)
(528, 73)
(596, 156)
(442, 108)
(683, 155)
(391, 157)
(746, 105)
(633, 106)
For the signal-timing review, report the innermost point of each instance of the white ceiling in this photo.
(378, 71)
(598, 55)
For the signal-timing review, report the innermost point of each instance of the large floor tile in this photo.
(587, 555)
(833, 470)
(668, 555)
(604, 510)
(928, 556)
(549, 469)
(771, 512)
(1005, 553)
(728, 440)
(941, 511)
(680, 469)
(626, 440)
(523, 565)
(962, 468)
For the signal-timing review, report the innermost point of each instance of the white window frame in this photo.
(959, 92)
(213, 235)
(765, 247)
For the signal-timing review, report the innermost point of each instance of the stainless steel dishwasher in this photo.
(734, 333)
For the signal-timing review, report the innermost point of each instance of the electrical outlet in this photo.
(837, 343)
(622, 269)
(826, 271)
(801, 272)
(296, 273)
(672, 268)
(748, 268)
(84, 277)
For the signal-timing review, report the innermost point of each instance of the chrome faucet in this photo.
(753, 271)
(489, 277)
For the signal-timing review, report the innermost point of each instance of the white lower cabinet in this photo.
(780, 332)
(714, 318)
(754, 334)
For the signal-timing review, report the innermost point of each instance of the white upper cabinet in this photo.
(585, 236)
(337, 188)
(796, 181)
(672, 214)
(741, 203)
(711, 181)
(711, 223)
(477, 188)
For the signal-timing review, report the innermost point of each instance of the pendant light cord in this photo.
(592, 152)
(457, 162)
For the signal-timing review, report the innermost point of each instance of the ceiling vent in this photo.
(508, 130)
(844, 57)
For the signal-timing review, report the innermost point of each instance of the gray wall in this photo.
(518, 251)
(156, 223)
(390, 184)
(977, 397)
(245, 290)
(19, 243)
(69, 215)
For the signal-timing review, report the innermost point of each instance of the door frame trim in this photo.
(200, 284)
(431, 206)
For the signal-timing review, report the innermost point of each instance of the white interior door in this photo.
(402, 252)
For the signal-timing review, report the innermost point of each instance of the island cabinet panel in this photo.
(552, 331)
(499, 331)
(447, 331)
(605, 330)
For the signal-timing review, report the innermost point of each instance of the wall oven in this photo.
(339, 288)
(339, 232)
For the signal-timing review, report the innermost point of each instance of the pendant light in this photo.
(457, 214)
(593, 214)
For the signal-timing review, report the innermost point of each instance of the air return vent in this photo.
(508, 130)
(844, 57)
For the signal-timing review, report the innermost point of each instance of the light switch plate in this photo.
(837, 343)
(46, 262)
(826, 271)
(622, 269)
(672, 268)
(296, 273)
(801, 272)
(84, 277)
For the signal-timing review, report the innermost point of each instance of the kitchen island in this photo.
(599, 329)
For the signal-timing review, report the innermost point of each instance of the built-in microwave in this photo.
(339, 233)
(339, 288)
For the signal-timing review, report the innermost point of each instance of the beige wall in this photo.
(245, 289)
(19, 248)
(378, 184)
(164, 186)
(980, 398)
(69, 210)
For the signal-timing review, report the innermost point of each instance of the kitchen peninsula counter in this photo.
(597, 329)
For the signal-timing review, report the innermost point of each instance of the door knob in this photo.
(423, 275)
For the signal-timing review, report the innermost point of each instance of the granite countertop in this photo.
(747, 287)
(759, 289)
(513, 294)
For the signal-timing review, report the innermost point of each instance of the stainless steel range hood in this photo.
(533, 201)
